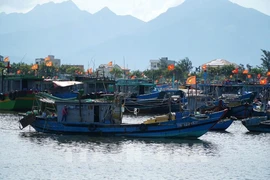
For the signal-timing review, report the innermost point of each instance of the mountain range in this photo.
(201, 30)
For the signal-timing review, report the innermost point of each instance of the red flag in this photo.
(171, 67)
(204, 67)
(263, 81)
(235, 71)
(6, 59)
(191, 80)
(110, 63)
(34, 67)
(245, 71)
(49, 63)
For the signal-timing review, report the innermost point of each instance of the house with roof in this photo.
(218, 63)
(104, 70)
(55, 62)
(155, 63)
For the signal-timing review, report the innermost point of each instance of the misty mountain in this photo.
(60, 29)
(199, 29)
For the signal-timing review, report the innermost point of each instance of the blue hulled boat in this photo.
(142, 96)
(222, 125)
(65, 89)
(105, 119)
(257, 124)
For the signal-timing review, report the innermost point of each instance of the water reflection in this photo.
(259, 136)
(118, 144)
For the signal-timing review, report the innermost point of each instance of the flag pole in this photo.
(196, 92)
(173, 77)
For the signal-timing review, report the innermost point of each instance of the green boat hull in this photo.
(20, 103)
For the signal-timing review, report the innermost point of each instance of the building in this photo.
(218, 63)
(1, 58)
(75, 66)
(104, 70)
(155, 64)
(55, 62)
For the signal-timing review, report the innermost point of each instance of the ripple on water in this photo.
(234, 154)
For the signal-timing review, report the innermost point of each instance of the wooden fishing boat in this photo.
(98, 118)
(142, 97)
(18, 92)
(222, 125)
(257, 124)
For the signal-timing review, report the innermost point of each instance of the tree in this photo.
(23, 67)
(137, 73)
(256, 71)
(117, 73)
(266, 59)
(226, 70)
(153, 74)
(249, 67)
(182, 69)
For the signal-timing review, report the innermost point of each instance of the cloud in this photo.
(260, 5)
(10, 6)
(142, 9)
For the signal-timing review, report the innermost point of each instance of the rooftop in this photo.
(219, 62)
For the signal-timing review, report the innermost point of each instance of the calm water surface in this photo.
(234, 154)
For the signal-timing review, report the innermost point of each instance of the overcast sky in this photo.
(142, 9)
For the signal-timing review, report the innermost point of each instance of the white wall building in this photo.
(1, 58)
(155, 64)
(55, 62)
(104, 70)
(218, 63)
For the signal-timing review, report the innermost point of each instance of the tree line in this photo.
(181, 70)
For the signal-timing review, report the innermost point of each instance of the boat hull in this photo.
(177, 130)
(157, 106)
(222, 125)
(257, 124)
(241, 111)
(19, 103)
(181, 127)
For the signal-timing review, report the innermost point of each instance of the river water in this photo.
(234, 154)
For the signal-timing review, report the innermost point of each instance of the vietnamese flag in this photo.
(171, 67)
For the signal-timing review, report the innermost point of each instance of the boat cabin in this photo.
(135, 86)
(20, 83)
(89, 111)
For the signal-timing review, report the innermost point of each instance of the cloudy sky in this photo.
(142, 9)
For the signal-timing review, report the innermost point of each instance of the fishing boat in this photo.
(18, 92)
(234, 93)
(222, 125)
(257, 124)
(97, 118)
(239, 111)
(63, 88)
(96, 87)
(142, 97)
